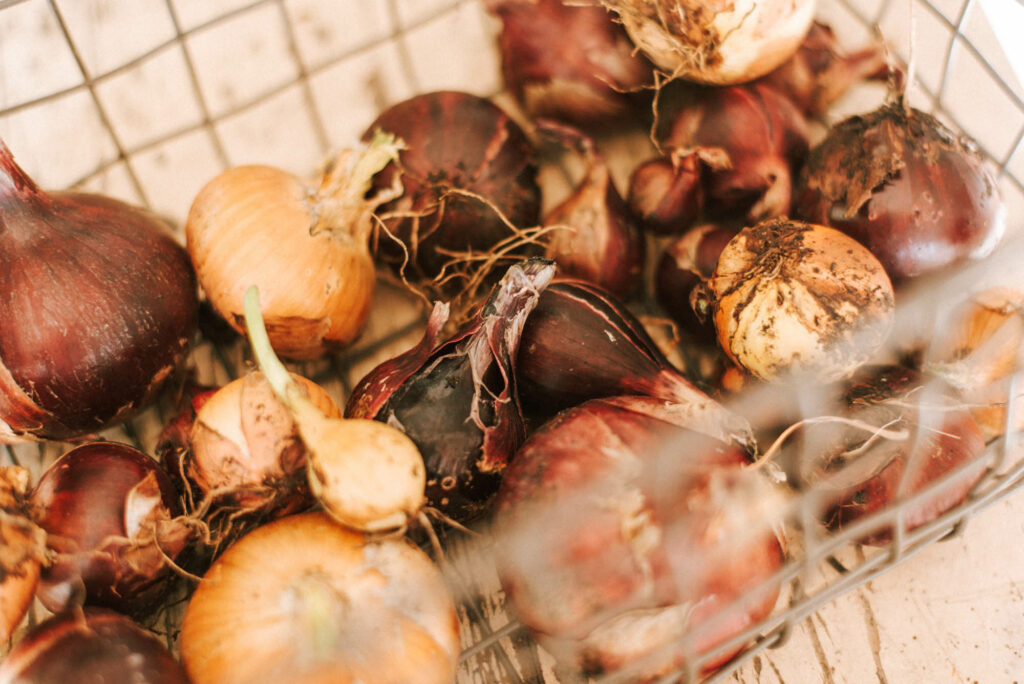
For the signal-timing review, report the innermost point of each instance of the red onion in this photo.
(820, 72)
(100, 307)
(21, 553)
(901, 183)
(619, 532)
(752, 137)
(110, 515)
(93, 645)
(912, 432)
(593, 236)
(581, 343)
(667, 194)
(467, 169)
(566, 61)
(685, 263)
(457, 399)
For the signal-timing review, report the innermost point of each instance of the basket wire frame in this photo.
(498, 644)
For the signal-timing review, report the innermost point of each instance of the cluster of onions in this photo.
(305, 244)
(664, 546)
(751, 139)
(567, 61)
(99, 302)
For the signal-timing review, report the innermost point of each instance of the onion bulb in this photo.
(21, 552)
(90, 646)
(368, 475)
(979, 354)
(302, 599)
(720, 42)
(99, 306)
(246, 449)
(567, 61)
(113, 524)
(304, 243)
(920, 198)
(796, 297)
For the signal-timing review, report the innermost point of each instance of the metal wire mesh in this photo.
(148, 100)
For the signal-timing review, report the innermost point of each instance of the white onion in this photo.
(716, 41)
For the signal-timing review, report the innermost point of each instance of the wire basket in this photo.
(147, 100)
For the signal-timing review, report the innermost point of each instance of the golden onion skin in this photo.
(303, 599)
(793, 297)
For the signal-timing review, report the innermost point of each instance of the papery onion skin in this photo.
(21, 551)
(941, 437)
(243, 439)
(455, 141)
(611, 547)
(94, 645)
(303, 599)
(719, 43)
(568, 62)
(108, 511)
(457, 398)
(902, 184)
(100, 305)
(793, 297)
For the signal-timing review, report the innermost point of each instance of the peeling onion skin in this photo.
(721, 42)
(792, 297)
(94, 645)
(105, 301)
(642, 552)
(303, 599)
(568, 62)
(459, 141)
(87, 501)
(901, 183)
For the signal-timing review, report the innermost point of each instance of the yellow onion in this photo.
(245, 440)
(22, 544)
(303, 243)
(718, 41)
(303, 599)
(981, 357)
(368, 475)
(793, 297)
